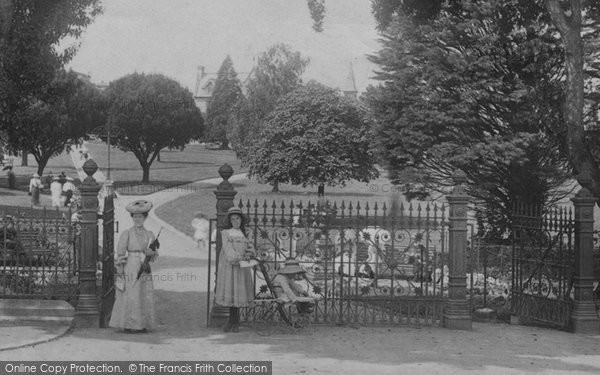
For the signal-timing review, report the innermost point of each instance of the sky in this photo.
(174, 37)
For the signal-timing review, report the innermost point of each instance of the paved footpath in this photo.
(180, 291)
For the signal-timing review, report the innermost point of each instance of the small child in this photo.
(201, 227)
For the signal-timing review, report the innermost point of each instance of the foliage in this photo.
(152, 112)
(460, 92)
(51, 122)
(317, 13)
(277, 72)
(226, 94)
(314, 136)
(30, 33)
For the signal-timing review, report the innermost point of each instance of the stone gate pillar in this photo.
(225, 194)
(87, 313)
(583, 316)
(457, 314)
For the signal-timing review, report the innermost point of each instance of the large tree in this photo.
(60, 117)
(277, 72)
(30, 34)
(226, 94)
(577, 24)
(152, 112)
(314, 136)
(460, 92)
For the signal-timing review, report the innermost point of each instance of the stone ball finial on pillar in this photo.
(226, 171)
(90, 168)
(585, 179)
(459, 177)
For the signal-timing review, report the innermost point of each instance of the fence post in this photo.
(225, 194)
(457, 314)
(583, 316)
(87, 312)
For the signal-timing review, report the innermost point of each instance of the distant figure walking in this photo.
(56, 191)
(48, 180)
(10, 175)
(68, 188)
(35, 186)
(201, 227)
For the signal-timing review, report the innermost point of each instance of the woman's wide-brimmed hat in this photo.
(235, 211)
(139, 207)
(291, 267)
(36, 175)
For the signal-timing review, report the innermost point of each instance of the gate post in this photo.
(225, 194)
(87, 313)
(583, 316)
(457, 314)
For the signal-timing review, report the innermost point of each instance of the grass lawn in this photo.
(176, 167)
(179, 212)
(12, 199)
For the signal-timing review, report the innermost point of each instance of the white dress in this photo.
(56, 192)
(134, 306)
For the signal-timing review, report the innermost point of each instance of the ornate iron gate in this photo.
(542, 265)
(108, 266)
(38, 254)
(365, 265)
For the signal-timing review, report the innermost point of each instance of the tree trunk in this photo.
(225, 145)
(275, 185)
(158, 157)
(580, 156)
(24, 157)
(146, 173)
(321, 190)
(41, 166)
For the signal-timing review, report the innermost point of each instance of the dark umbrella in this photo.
(145, 268)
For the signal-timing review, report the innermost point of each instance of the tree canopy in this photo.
(152, 112)
(30, 33)
(314, 136)
(460, 92)
(226, 94)
(277, 72)
(61, 117)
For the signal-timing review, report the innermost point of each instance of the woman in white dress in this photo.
(56, 191)
(133, 310)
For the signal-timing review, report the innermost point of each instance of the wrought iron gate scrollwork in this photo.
(542, 265)
(363, 265)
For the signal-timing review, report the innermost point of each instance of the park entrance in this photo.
(367, 263)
